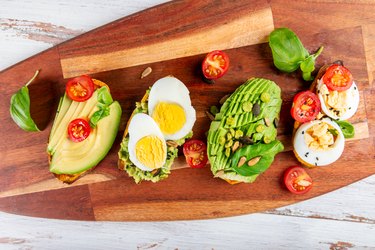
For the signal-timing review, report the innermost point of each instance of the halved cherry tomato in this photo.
(215, 65)
(338, 78)
(78, 130)
(306, 106)
(297, 180)
(80, 88)
(195, 152)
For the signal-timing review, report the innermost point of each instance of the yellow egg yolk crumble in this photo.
(151, 151)
(169, 116)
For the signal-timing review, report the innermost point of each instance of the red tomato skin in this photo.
(209, 58)
(85, 126)
(85, 83)
(288, 181)
(340, 70)
(195, 150)
(298, 100)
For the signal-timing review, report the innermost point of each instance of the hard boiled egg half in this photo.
(339, 105)
(170, 106)
(147, 146)
(318, 143)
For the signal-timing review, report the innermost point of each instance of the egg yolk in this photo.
(151, 151)
(169, 116)
(320, 136)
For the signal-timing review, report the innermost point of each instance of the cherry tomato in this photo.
(215, 65)
(338, 78)
(306, 106)
(78, 130)
(80, 88)
(195, 152)
(297, 180)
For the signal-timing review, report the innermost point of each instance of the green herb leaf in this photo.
(104, 96)
(104, 99)
(98, 115)
(289, 54)
(266, 152)
(20, 108)
(347, 128)
(287, 50)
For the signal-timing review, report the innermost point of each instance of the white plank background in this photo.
(342, 219)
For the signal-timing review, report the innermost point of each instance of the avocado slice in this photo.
(68, 157)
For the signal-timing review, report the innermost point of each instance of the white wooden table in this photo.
(342, 219)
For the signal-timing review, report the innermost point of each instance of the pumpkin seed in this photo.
(256, 109)
(247, 106)
(238, 134)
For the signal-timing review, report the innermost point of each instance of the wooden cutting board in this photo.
(172, 39)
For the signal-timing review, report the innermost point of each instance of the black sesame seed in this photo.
(355, 88)
(350, 108)
(303, 132)
(316, 164)
(317, 158)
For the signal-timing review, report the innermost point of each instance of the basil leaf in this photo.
(98, 115)
(289, 54)
(287, 50)
(104, 96)
(20, 108)
(104, 99)
(267, 153)
(347, 128)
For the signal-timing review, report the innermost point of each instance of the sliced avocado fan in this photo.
(241, 141)
(68, 157)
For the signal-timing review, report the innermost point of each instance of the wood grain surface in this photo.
(342, 219)
(98, 196)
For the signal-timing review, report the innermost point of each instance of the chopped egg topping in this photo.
(320, 136)
(335, 101)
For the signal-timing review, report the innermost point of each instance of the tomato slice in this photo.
(78, 130)
(306, 106)
(195, 152)
(337, 77)
(80, 88)
(297, 180)
(215, 65)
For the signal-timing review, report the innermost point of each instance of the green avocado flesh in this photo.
(68, 157)
(246, 118)
(138, 174)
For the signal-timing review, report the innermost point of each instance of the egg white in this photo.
(142, 125)
(171, 90)
(315, 157)
(352, 101)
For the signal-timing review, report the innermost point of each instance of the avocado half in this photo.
(69, 160)
(241, 141)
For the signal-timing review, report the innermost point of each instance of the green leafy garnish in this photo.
(104, 99)
(289, 54)
(20, 108)
(266, 152)
(346, 128)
